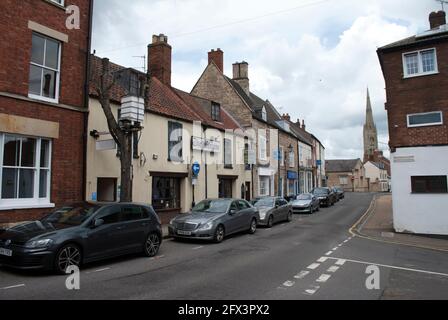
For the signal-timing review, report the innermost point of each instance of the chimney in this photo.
(159, 59)
(303, 125)
(287, 117)
(437, 19)
(241, 75)
(217, 57)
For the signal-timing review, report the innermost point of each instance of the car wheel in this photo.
(270, 223)
(152, 245)
(69, 255)
(253, 226)
(219, 234)
(289, 219)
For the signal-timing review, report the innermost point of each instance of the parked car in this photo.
(215, 219)
(273, 210)
(305, 203)
(326, 196)
(335, 191)
(81, 233)
(340, 192)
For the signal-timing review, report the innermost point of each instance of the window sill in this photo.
(40, 98)
(22, 206)
(57, 5)
(420, 75)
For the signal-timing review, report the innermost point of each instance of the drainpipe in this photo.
(86, 102)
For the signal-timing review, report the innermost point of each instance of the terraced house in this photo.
(43, 104)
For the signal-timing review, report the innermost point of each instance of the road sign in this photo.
(196, 168)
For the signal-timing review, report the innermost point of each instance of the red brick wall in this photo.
(416, 95)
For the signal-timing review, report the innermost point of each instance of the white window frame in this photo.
(58, 72)
(292, 159)
(264, 114)
(36, 201)
(282, 157)
(267, 186)
(58, 2)
(420, 64)
(424, 124)
(263, 148)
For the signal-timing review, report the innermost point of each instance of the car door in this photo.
(231, 223)
(107, 239)
(246, 212)
(134, 227)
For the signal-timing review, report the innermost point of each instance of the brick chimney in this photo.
(217, 57)
(159, 59)
(287, 117)
(303, 125)
(437, 19)
(241, 75)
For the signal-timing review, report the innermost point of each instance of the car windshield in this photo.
(264, 202)
(212, 206)
(304, 197)
(321, 191)
(70, 215)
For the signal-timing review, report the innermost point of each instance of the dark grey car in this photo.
(215, 219)
(81, 233)
(273, 210)
(305, 203)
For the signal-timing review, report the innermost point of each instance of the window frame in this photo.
(292, 159)
(420, 63)
(282, 156)
(413, 183)
(216, 112)
(43, 67)
(62, 2)
(263, 145)
(178, 126)
(226, 149)
(424, 124)
(36, 201)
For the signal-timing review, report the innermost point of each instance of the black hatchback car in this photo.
(81, 233)
(326, 196)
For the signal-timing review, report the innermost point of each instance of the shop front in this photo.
(166, 192)
(266, 182)
(292, 184)
(226, 186)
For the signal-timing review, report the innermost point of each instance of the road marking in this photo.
(99, 270)
(329, 253)
(157, 258)
(302, 275)
(289, 284)
(333, 269)
(322, 259)
(13, 287)
(334, 249)
(393, 267)
(197, 248)
(310, 292)
(314, 266)
(340, 262)
(323, 278)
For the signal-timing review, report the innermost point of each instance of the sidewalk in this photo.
(377, 224)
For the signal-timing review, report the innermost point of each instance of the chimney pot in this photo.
(159, 59)
(241, 75)
(437, 19)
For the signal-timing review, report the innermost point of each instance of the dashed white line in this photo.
(313, 266)
(322, 259)
(197, 248)
(334, 249)
(340, 262)
(323, 278)
(310, 292)
(329, 253)
(289, 284)
(13, 287)
(333, 269)
(301, 275)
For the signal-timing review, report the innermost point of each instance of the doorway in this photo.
(107, 189)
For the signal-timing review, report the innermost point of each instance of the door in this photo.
(244, 214)
(107, 189)
(134, 227)
(248, 187)
(232, 221)
(107, 239)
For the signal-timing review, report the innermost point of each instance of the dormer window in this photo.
(216, 112)
(264, 115)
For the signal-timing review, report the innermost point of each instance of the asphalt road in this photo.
(313, 257)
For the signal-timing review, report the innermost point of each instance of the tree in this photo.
(121, 131)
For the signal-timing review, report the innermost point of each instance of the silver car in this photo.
(305, 203)
(273, 210)
(215, 219)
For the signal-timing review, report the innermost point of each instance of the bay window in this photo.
(25, 171)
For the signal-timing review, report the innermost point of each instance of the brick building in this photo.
(416, 75)
(350, 174)
(43, 104)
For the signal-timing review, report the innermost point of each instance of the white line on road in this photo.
(310, 292)
(314, 266)
(289, 284)
(323, 278)
(393, 267)
(329, 253)
(99, 270)
(340, 262)
(197, 248)
(13, 287)
(333, 269)
(322, 260)
(302, 275)
(334, 249)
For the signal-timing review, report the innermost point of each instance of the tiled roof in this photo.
(341, 165)
(417, 40)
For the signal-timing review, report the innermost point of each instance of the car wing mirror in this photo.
(232, 212)
(98, 223)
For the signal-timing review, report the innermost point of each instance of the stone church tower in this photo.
(370, 133)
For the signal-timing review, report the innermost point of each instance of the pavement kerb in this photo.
(356, 230)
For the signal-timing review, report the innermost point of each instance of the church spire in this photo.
(370, 132)
(369, 112)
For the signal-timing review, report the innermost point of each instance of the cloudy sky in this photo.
(312, 58)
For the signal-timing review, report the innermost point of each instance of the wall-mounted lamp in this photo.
(95, 134)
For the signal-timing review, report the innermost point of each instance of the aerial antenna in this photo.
(442, 2)
(144, 62)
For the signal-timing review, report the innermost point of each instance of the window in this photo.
(425, 119)
(216, 111)
(228, 157)
(110, 215)
(282, 157)
(343, 180)
(291, 187)
(165, 193)
(264, 186)
(59, 2)
(175, 146)
(420, 63)
(264, 114)
(25, 164)
(429, 184)
(243, 205)
(263, 148)
(44, 68)
(131, 213)
(292, 159)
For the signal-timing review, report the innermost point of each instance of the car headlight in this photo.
(172, 222)
(44, 243)
(207, 226)
(263, 214)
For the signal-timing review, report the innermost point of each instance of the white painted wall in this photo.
(419, 213)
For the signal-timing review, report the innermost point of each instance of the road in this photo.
(313, 257)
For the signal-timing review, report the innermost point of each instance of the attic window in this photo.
(264, 115)
(216, 111)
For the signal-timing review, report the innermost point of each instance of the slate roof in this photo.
(341, 165)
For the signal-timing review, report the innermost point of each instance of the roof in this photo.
(341, 165)
(166, 100)
(379, 165)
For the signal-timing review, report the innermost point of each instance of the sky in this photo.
(313, 59)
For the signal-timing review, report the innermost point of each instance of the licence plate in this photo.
(5, 252)
(184, 233)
